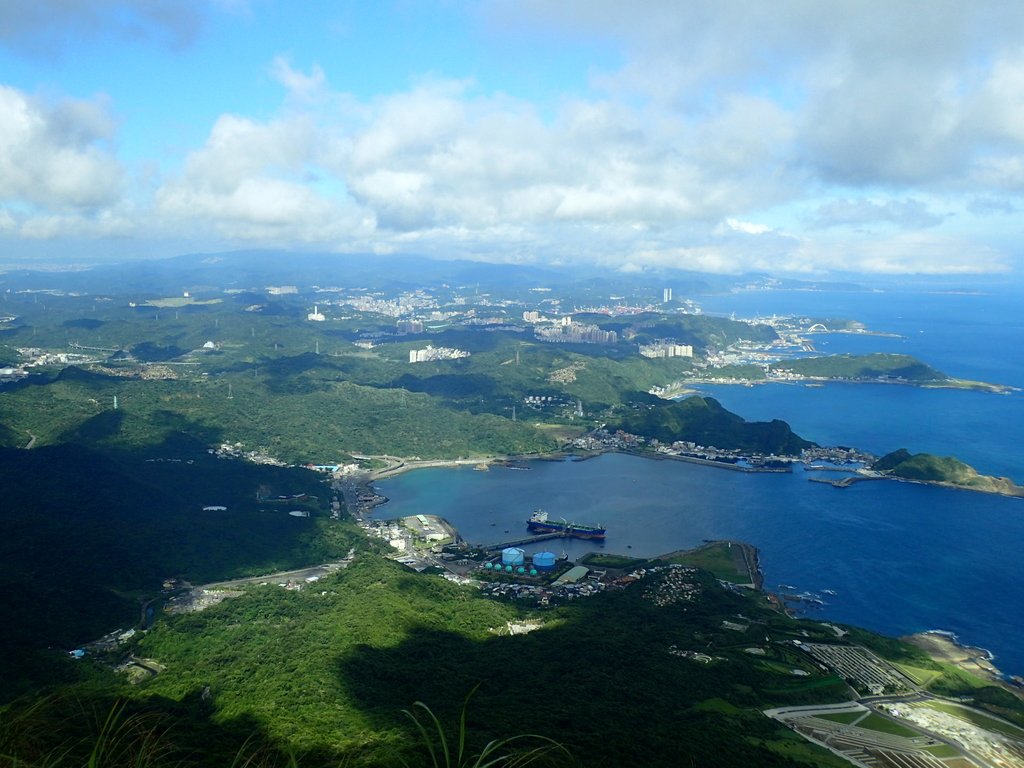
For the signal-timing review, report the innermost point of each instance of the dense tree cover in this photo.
(259, 348)
(891, 460)
(84, 535)
(322, 423)
(925, 466)
(704, 332)
(942, 469)
(704, 421)
(863, 367)
(329, 669)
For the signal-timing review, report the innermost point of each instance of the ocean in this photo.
(978, 336)
(900, 557)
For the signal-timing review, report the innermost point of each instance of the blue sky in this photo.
(795, 137)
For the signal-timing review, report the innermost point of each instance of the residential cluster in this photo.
(570, 332)
(237, 451)
(35, 357)
(823, 457)
(837, 455)
(602, 439)
(431, 354)
(567, 375)
(403, 327)
(567, 406)
(541, 594)
(666, 349)
(676, 584)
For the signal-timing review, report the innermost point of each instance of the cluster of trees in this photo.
(864, 368)
(86, 536)
(704, 421)
(328, 670)
(943, 469)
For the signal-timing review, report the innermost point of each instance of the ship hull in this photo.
(575, 532)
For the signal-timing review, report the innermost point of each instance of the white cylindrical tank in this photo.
(544, 561)
(512, 556)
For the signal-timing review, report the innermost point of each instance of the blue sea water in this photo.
(969, 336)
(902, 558)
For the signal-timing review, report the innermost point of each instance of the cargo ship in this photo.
(539, 523)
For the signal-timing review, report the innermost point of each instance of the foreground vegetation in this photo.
(322, 676)
(328, 672)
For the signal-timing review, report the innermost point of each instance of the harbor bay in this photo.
(962, 575)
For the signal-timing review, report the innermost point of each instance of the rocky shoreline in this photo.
(946, 648)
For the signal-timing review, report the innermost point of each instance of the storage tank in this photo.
(544, 561)
(488, 566)
(513, 556)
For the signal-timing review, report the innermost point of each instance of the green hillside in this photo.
(946, 470)
(84, 535)
(864, 368)
(325, 672)
(703, 420)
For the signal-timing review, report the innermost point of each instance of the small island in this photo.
(942, 470)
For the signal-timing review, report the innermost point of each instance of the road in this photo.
(397, 466)
(295, 575)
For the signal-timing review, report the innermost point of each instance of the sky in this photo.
(803, 137)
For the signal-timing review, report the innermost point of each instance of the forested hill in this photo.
(703, 420)
(875, 367)
(945, 470)
(84, 534)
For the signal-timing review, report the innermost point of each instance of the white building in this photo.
(430, 354)
(666, 349)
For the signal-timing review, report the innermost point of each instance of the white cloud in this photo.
(903, 253)
(746, 227)
(257, 181)
(907, 213)
(44, 226)
(874, 92)
(299, 84)
(53, 156)
(444, 169)
(440, 155)
(723, 119)
(918, 253)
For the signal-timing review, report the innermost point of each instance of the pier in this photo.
(523, 540)
(846, 482)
